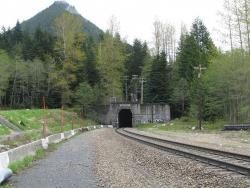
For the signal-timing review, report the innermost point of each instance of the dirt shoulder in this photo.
(233, 141)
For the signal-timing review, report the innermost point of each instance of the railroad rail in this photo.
(227, 160)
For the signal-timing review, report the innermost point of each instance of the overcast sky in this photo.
(135, 16)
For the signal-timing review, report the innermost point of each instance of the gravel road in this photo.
(71, 165)
(102, 158)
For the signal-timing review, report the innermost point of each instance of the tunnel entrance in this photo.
(125, 118)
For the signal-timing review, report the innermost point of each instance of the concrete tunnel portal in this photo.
(125, 118)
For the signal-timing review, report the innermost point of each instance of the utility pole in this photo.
(113, 97)
(62, 119)
(142, 82)
(135, 78)
(200, 68)
(44, 119)
(126, 88)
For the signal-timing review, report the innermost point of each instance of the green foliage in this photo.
(110, 63)
(28, 80)
(84, 96)
(27, 137)
(18, 166)
(5, 186)
(46, 18)
(17, 35)
(4, 130)
(33, 119)
(227, 82)
(43, 44)
(6, 65)
(69, 45)
(180, 97)
(137, 58)
(91, 74)
(158, 82)
(184, 125)
(195, 49)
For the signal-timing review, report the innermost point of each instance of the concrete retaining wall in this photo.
(21, 152)
(54, 138)
(68, 134)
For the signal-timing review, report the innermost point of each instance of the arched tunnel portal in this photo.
(125, 118)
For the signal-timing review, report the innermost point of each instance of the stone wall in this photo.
(141, 113)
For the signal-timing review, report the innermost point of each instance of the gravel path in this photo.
(125, 163)
(71, 165)
(233, 141)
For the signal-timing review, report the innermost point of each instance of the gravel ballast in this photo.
(125, 163)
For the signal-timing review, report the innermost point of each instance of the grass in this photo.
(5, 186)
(23, 139)
(4, 130)
(18, 166)
(31, 122)
(34, 119)
(184, 125)
(27, 162)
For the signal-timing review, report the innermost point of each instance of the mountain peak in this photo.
(46, 19)
(66, 6)
(61, 2)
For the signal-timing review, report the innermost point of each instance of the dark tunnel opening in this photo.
(125, 118)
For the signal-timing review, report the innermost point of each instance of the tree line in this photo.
(72, 69)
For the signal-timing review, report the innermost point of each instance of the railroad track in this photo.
(227, 160)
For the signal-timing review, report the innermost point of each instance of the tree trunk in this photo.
(238, 20)
(247, 24)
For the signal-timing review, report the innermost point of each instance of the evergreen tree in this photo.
(6, 64)
(69, 50)
(137, 58)
(17, 34)
(90, 69)
(43, 44)
(111, 65)
(28, 52)
(195, 49)
(158, 82)
(6, 40)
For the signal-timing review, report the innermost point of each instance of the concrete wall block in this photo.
(45, 143)
(62, 136)
(4, 159)
(20, 152)
(84, 129)
(55, 138)
(67, 134)
(78, 130)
